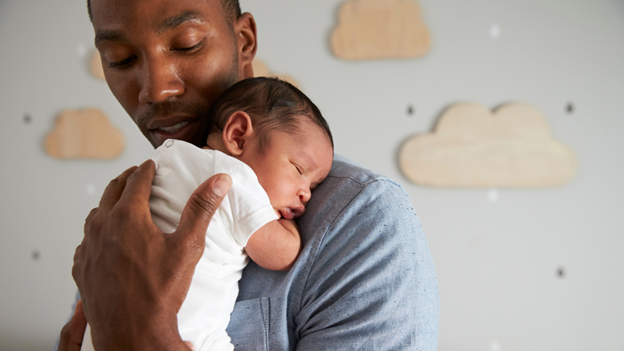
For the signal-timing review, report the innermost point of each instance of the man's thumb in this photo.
(200, 208)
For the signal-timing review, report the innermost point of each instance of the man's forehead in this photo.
(157, 14)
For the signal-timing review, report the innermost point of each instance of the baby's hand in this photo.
(190, 345)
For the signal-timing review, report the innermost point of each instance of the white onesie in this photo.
(180, 168)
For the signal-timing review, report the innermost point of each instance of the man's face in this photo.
(167, 61)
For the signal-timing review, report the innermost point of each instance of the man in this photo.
(364, 279)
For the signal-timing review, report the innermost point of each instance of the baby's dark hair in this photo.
(272, 104)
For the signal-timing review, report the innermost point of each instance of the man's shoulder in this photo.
(351, 185)
(344, 168)
(350, 192)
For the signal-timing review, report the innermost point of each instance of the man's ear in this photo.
(247, 43)
(237, 132)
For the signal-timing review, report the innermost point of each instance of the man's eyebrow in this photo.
(177, 20)
(108, 35)
(167, 24)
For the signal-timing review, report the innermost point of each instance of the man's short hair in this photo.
(230, 7)
(232, 10)
(272, 104)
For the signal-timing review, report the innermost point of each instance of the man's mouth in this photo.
(173, 119)
(173, 128)
(182, 130)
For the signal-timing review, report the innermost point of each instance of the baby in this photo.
(277, 147)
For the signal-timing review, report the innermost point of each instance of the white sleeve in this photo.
(181, 167)
(248, 203)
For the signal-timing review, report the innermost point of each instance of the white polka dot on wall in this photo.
(90, 189)
(81, 51)
(493, 195)
(495, 31)
(495, 345)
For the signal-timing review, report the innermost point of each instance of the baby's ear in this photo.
(237, 131)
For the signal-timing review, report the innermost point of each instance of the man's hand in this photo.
(73, 332)
(133, 278)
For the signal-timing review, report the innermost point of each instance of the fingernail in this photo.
(221, 186)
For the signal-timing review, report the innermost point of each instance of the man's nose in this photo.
(159, 80)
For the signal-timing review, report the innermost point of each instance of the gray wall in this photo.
(496, 261)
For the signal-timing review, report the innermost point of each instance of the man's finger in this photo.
(139, 186)
(73, 332)
(200, 208)
(115, 188)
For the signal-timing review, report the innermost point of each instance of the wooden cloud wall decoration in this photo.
(473, 147)
(380, 29)
(84, 134)
(260, 69)
(95, 66)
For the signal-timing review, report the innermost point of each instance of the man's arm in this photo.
(276, 245)
(133, 278)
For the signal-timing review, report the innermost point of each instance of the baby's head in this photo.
(275, 129)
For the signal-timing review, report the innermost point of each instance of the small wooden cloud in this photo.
(473, 147)
(95, 66)
(262, 70)
(85, 134)
(380, 29)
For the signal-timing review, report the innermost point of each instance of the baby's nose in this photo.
(304, 196)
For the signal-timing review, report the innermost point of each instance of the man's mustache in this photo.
(166, 108)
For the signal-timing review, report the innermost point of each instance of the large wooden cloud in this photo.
(474, 147)
(380, 29)
(84, 134)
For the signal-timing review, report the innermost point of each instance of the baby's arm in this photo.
(275, 246)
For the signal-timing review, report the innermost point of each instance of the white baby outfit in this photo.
(180, 168)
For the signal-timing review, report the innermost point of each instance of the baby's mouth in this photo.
(286, 213)
(292, 213)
